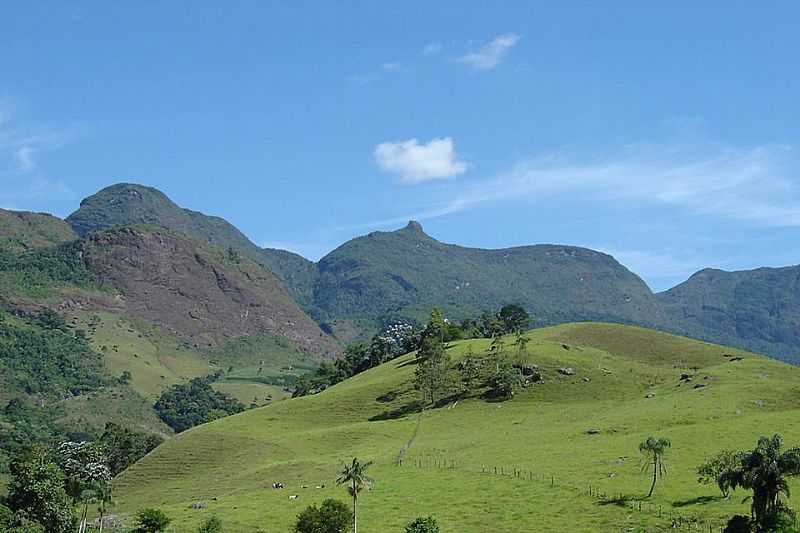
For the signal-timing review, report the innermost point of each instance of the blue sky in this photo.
(667, 136)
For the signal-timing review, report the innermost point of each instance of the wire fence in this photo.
(674, 520)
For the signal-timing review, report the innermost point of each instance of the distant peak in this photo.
(413, 225)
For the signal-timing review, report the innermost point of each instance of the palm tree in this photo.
(355, 477)
(764, 471)
(104, 500)
(654, 449)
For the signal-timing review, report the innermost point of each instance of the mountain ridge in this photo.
(387, 275)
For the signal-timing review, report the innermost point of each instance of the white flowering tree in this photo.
(88, 476)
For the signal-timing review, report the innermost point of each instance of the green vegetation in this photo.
(423, 525)
(37, 492)
(38, 272)
(212, 525)
(124, 446)
(332, 516)
(151, 521)
(39, 355)
(21, 231)
(574, 439)
(184, 406)
(653, 449)
(765, 471)
(354, 477)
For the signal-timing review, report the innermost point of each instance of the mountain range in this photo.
(402, 274)
(180, 269)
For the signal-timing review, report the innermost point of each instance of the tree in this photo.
(504, 380)
(513, 317)
(123, 446)
(654, 449)
(332, 516)
(212, 525)
(423, 525)
(765, 470)
(521, 342)
(430, 376)
(717, 470)
(355, 477)
(469, 369)
(11, 522)
(151, 521)
(87, 474)
(37, 491)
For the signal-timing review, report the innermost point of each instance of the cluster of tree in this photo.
(399, 338)
(42, 361)
(42, 356)
(124, 446)
(396, 339)
(34, 272)
(496, 371)
(46, 488)
(187, 405)
(765, 472)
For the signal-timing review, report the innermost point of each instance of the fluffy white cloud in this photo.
(415, 163)
(492, 53)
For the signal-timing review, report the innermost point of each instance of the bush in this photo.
(738, 524)
(332, 516)
(423, 525)
(151, 521)
(187, 405)
(212, 525)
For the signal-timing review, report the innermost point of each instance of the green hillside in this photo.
(758, 309)
(551, 444)
(22, 230)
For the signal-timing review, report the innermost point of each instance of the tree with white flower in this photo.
(88, 475)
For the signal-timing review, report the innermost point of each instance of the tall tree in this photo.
(765, 470)
(514, 318)
(654, 449)
(37, 490)
(354, 475)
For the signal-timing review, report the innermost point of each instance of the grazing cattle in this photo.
(293, 497)
(277, 485)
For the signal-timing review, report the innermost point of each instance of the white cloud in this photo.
(491, 54)
(24, 158)
(759, 185)
(432, 49)
(415, 163)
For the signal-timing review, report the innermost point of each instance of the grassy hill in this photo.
(551, 445)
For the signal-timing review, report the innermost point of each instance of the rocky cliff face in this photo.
(202, 294)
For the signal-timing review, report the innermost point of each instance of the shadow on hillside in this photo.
(620, 501)
(404, 410)
(700, 500)
(406, 363)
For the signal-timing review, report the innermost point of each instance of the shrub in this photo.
(423, 525)
(738, 524)
(332, 516)
(212, 525)
(151, 521)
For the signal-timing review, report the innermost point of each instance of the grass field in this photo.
(449, 468)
